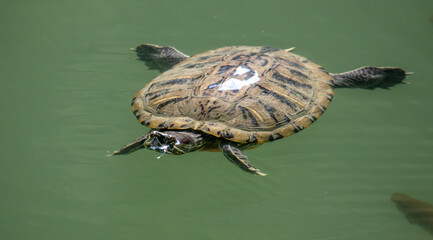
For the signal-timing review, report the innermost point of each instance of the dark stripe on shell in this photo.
(247, 75)
(201, 108)
(250, 116)
(323, 70)
(211, 109)
(291, 90)
(322, 108)
(279, 97)
(133, 100)
(225, 68)
(297, 129)
(298, 94)
(195, 65)
(145, 122)
(252, 139)
(268, 49)
(240, 56)
(275, 136)
(227, 134)
(174, 100)
(290, 81)
(158, 94)
(208, 56)
(162, 125)
(217, 83)
(178, 81)
(263, 59)
(270, 110)
(244, 114)
(312, 118)
(292, 63)
(299, 74)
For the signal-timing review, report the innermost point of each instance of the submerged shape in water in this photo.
(416, 211)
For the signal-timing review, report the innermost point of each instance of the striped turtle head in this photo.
(174, 142)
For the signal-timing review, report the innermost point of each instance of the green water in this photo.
(67, 79)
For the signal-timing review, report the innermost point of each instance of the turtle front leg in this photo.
(160, 58)
(135, 145)
(370, 78)
(236, 156)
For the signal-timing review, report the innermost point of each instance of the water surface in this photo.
(68, 78)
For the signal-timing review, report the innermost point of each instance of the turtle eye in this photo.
(185, 140)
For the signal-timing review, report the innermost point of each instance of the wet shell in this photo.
(243, 94)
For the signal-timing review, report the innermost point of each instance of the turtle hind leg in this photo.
(157, 57)
(370, 78)
(236, 156)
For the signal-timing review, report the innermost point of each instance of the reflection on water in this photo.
(416, 211)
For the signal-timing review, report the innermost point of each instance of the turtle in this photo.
(236, 98)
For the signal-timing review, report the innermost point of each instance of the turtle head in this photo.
(174, 142)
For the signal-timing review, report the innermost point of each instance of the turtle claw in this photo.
(260, 173)
(113, 153)
(289, 49)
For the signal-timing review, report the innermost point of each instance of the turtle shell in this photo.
(243, 94)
